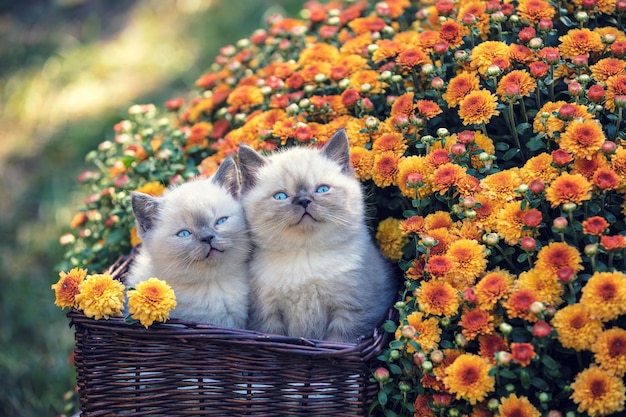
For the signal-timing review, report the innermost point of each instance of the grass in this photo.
(69, 70)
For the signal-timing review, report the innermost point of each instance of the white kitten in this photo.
(315, 272)
(195, 238)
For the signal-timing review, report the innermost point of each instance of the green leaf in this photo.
(382, 398)
(525, 378)
(510, 154)
(396, 344)
(539, 383)
(390, 326)
(522, 257)
(502, 146)
(548, 362)
(522, 127)
(566, 21)
(508, 374)
(395, 369)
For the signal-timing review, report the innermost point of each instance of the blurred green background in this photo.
(69, 70)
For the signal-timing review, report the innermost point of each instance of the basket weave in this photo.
(185, 369)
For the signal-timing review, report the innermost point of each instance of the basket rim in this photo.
(365, 348)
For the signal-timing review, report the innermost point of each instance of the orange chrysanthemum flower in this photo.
(568, 188)
(428, 108)
(514, 406)
(553, 126)
(387, 49)
(459, 87)
(403, 105)
(412, 225)
(610, 351)
(66, 289)
(523, 353)
(511, 224)
(600, 6)
(475, 323)
(519, 80)
(362, 161)
(422, 407)
(605, 295)
(598, 393)
(492, 287)
(390, 238)
(539, 167)
(369, 77)
(615, 86)
(490, 344)
(391, 141)
(411, 58)
(547, 286)
(443, 237)
(556, 255)
(468, 378)
(438, 298)
(452, 32)
(447, 176)
(582, 139)
(519, 302)
(606, 179)
(370, 23)
(427, 332)
(575, 327)
(318, 52)
(579, 42)
(439, 265)
(501, 186)
(385, 168)
(533, 11)
(413, 165)
(613, 243)
(606, 68)
(245, 97)
(520, 53)
(595, 226)
(486, 53)
(470, 260)
(478, 107)
(438, 219)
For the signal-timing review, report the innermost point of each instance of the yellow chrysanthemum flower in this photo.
(478, 107)
(468, 378)
(390, 238)
(439, 298)
(154, 188)
(150, 301)
(547, 286)
(514, 406)
(598, 393)
(575, 327)
(469, 259)
(101, 296)
(66, 289)
(427, 332)
(582, 139)
(610, 351)
(605, 295)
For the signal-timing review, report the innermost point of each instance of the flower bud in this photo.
(608, 147)
(536, 186)
(427, 366)
(555, 413)
(537, 308)
(580, 61)
(561, 158)
(560, 223)
(414, 179)
(544, 397)
(460, 340)
(529, 244)
(581, 16)
(458, 149)
(493, 71)
(491, 239)
(442, 132)
(569, 206)
(429, 242)
(526, 34)
(566, 274)
(437, 83)
(591, 249)
(419, 358)
(535, 43)
(545, 25)
(394, 354)
(293, 109)
(436, 356)
(574, 88)
(541, 329)
(503, 357)
(371, 122)
(493, 404)
(505, 328)
(461, 55)
(381, 374)
(408, 331)
(469, 295)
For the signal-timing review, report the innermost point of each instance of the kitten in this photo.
(195, 238)
(315, 272)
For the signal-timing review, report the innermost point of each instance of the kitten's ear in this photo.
(249, 163)
(338, 149)
(227, 175)
(145, 209)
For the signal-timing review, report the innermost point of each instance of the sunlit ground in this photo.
(69, 70)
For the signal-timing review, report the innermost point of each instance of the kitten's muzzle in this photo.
(301, 200)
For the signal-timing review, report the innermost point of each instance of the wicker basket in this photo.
(186, 369)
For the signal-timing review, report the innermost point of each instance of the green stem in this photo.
(571, 222)
(618, 121)
(524, 110)
(512, 126)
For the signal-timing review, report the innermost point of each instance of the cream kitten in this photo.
(315, 272)
(195, 238)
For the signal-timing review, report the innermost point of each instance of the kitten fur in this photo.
(195, 238)
(315, 272)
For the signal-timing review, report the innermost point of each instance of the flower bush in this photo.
(489, 135)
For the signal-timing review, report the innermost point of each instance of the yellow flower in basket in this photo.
(101, 296)
(151, 301)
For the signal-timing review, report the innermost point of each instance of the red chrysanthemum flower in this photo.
(595, 226)
(523, 353)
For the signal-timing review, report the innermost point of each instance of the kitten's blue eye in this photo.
(221, 220)
(322, 189)
(280, 196)
(183, 233)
